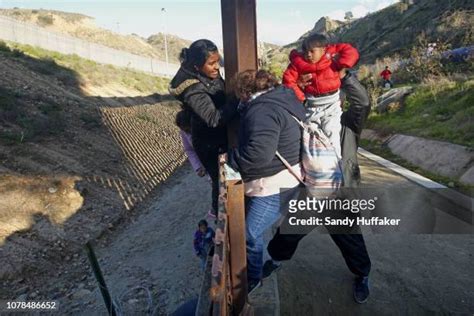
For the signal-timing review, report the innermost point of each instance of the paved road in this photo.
(412, 274)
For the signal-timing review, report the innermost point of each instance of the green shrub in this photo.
(442, 111)
(49, 108)
(90, 120)
(4, 47)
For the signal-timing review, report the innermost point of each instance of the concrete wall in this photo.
(26, 33)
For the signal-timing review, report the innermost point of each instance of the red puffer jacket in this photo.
(325, 73)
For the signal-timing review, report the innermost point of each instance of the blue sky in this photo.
(278, 21)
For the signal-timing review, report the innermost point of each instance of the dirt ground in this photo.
(76, 182)
(417, 274)
(152, 250)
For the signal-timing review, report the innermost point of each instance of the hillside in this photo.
(394, 30)
(174, 43)
(84, 27)
(81, 146)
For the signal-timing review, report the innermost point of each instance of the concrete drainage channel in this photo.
(443, 158)
(465, 211)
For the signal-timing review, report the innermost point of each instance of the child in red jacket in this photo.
(386, 75)
(324, 62)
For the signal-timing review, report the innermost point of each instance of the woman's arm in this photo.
(262, 132)
(202, 104)
(359, 102)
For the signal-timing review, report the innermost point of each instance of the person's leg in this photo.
(208, 156)
(355, 254)
(203, 258)
(283, 246)
(262, 213)
(354, 251)
(331, 125)
(214, 175)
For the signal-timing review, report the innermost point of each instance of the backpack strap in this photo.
(284, 161)
(290, 169)
(300, 123)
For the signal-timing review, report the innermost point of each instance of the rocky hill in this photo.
(394, 30)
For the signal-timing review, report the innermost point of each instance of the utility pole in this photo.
(165, 36)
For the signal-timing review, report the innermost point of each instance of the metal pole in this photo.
(100, 279)
(239, 29)
(166, 40)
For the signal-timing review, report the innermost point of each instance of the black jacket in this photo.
(265, 127)
(352, 122)
(205, 98)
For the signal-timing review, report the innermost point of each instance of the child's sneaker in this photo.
(211, 215)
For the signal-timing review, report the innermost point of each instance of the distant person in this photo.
(199, 86)
(203, 241)
(183, 121)
(325, 63)
(386, 76)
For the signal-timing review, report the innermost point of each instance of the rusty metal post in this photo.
(238, 257)
(239, 28)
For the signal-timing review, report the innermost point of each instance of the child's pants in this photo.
(326, 112)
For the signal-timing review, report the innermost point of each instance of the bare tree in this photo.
(349, 16)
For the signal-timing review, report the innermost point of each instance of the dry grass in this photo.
(84, 27)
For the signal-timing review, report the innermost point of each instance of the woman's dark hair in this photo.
(249, 82)
(197, 53)
(202, 222)
(183, 120)
(314, 40)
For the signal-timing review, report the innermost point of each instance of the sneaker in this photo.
(361, 289)
(269, 267)
(211, 215)
(253, 285)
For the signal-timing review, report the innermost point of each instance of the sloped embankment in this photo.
(76, 156)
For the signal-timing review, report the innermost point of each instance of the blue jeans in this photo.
(261, 213)
(203, 258)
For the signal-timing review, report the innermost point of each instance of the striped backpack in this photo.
(322, 172)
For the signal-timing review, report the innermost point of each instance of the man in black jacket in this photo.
(283, 246)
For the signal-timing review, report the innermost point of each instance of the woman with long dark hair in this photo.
(199, 86)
